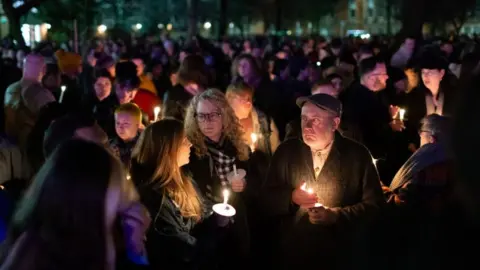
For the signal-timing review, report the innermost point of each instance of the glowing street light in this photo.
(160, 26)
(138, 26)
(102, 29)
(207, 25)
(231, 25)
(48, 26)
(169, 27)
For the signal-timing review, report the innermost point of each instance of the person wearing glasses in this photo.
(218, 145)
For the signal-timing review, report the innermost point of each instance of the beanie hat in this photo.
(67, 61)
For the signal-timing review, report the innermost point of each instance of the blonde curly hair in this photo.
(232, 130)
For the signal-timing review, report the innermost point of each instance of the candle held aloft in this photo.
(156, 113)
(63, 88)
(401, 113)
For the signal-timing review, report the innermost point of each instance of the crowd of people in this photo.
(335, 154)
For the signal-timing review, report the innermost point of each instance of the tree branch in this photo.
(27, 6)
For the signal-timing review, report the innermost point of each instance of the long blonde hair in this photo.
(157, 150)
(232, 130)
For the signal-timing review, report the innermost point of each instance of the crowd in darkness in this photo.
(334, 153)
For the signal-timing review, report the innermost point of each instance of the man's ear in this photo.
(432, 139)
(336, 123)
(442, 72)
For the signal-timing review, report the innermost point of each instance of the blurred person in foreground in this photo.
(68, 217)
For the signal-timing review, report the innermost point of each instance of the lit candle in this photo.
(235, 170)
(226, 193)
(224, 209)
(254, 138)
(128, 176)
(156, 112)
(308, 190)
(62, 93)
(402, 114)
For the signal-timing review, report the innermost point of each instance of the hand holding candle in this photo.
(63, 88)
(304, 196)
(224, 209)
(237, 179)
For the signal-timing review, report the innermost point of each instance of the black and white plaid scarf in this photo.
(222, 162)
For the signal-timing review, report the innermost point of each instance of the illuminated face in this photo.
(183, 156)
(244, 68)
(125, 94)
(209, 119)
(337, 83)
(140, 66)
(432, 78)
(376, 80)
(126, 126)
(318, 126)
(241, 105)
(103, 87)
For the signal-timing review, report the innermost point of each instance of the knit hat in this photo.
(68, 62)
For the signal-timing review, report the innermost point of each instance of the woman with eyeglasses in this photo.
(218, 145)
(175, 205)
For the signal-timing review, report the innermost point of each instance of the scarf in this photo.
(222, 162)
(427, 155)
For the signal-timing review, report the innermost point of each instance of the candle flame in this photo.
(156, 110)
(402, 113)
(254, 137)
(308, 190)
(63, 88)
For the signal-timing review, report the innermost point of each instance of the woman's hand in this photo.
(238, 185)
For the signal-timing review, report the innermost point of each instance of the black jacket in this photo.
(175, 242)
(348, 183)
(236, 245)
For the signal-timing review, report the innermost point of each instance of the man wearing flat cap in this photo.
(320, 193)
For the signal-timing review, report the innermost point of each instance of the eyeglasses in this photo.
(243, 99)
(210, 117)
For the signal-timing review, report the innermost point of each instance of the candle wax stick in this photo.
(254, 138)
(225, 196)
(156, 112)
(402, 114)
(235, 169)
